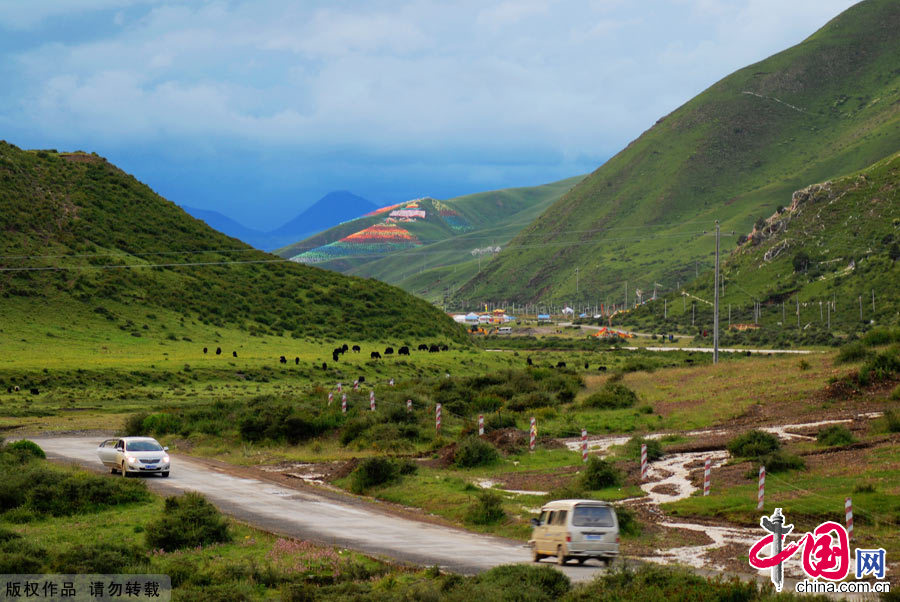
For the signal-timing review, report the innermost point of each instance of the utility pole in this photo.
(860, 308)
(576, 283)
(665, 309)
(626, 296)
(716, 303)
(798, 312)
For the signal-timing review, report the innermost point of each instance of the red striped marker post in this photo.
(762, 488)
(391, 382)
(533, 433)
(643, 461)
(339, 387)
(409, 405)
(344, 403)
(437, 418)
(330, 397)
(848, 511)
(584, 445)
(372, 400)
(480, 425)
(356, 385)
(706, 470)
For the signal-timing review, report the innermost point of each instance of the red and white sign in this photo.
(480, 425)
(437, 418)
(409, 405)
(372, 400)
(344, 403)
(339, 387)
(848, 512)
(533, 433)
(330, 397)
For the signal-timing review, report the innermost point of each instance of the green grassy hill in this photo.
(825, 253)
(439, 255)
(80, 233)
(830, 105)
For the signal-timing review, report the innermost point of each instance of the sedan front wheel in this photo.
(124, 472)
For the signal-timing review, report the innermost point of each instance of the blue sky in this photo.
(256, 109)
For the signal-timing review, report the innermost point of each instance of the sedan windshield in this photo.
(592, 516)
(143, 446)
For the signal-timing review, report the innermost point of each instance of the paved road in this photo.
(306, 514)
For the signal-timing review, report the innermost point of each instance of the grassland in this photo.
(821, 109)
(823, 265)
(77, 231)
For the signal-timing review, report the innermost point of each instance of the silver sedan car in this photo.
(134, 455)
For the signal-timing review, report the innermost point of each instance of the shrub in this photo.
(780, 461)
(528, 582)
(753, 444)
(45, 490)
(652, 582)
(134, 425)
(628, 522)
(495, 422)
(852, 353)
(880, 367)
(373, 471)
(97, 557)
(24, 450)
(600, 474)
(612, 396)
(487, 509)
(473, 451)
(187, 521)
(835, 435)
(893, 421)
(881, 336)
(654, 448)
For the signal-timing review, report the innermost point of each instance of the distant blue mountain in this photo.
(330, 210)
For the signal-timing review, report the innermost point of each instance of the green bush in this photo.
(881, 336)
(187, 521)
(753, 444)
(612, 396)
(24, 450)
(852, 352)
(893, 421)
(487, 509)
(600, 474)
(372, 472)
(134, 425)
(97, 557)
(633, 448)
(880, 367)
(628, 522)
(525, 582)
(473, 451)
(495, 422)
(654, 582)
(835, 435)
(780, 461)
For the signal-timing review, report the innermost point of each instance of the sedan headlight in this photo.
(132, 460)
(166, 459)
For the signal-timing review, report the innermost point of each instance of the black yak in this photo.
(445, 348)
(361, 379)
(375, 355)
(403, 350)
(218, 351)
(423, 347)
(34, 391)
(601, 368)
(560, 364)
(528, 360)
(234, 354)
(356, 349)
(297, 361)
(388, 350)
(344, 348)
(434, 349)
(324, 366)
(205, 350)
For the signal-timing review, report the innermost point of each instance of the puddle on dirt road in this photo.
(488, 484)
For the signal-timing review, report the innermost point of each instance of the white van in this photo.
(576, 529)
(505, 330)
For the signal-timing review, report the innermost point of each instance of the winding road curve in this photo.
(341, 521)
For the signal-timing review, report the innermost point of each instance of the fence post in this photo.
(848, 512)
(481, 425)
(584, 454)
(761, 494)
(533, 433)
(706, 471)
(409, 405)
(643, 461)
(330, 397)
(437, 418)
(344, 403)
(372, 400)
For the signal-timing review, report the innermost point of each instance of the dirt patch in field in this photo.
(534, 480)
(508, 440)
(666, 489)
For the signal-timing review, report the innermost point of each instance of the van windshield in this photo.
(592, 516)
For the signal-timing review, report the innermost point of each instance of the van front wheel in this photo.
(535, 557)
(561, 556)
